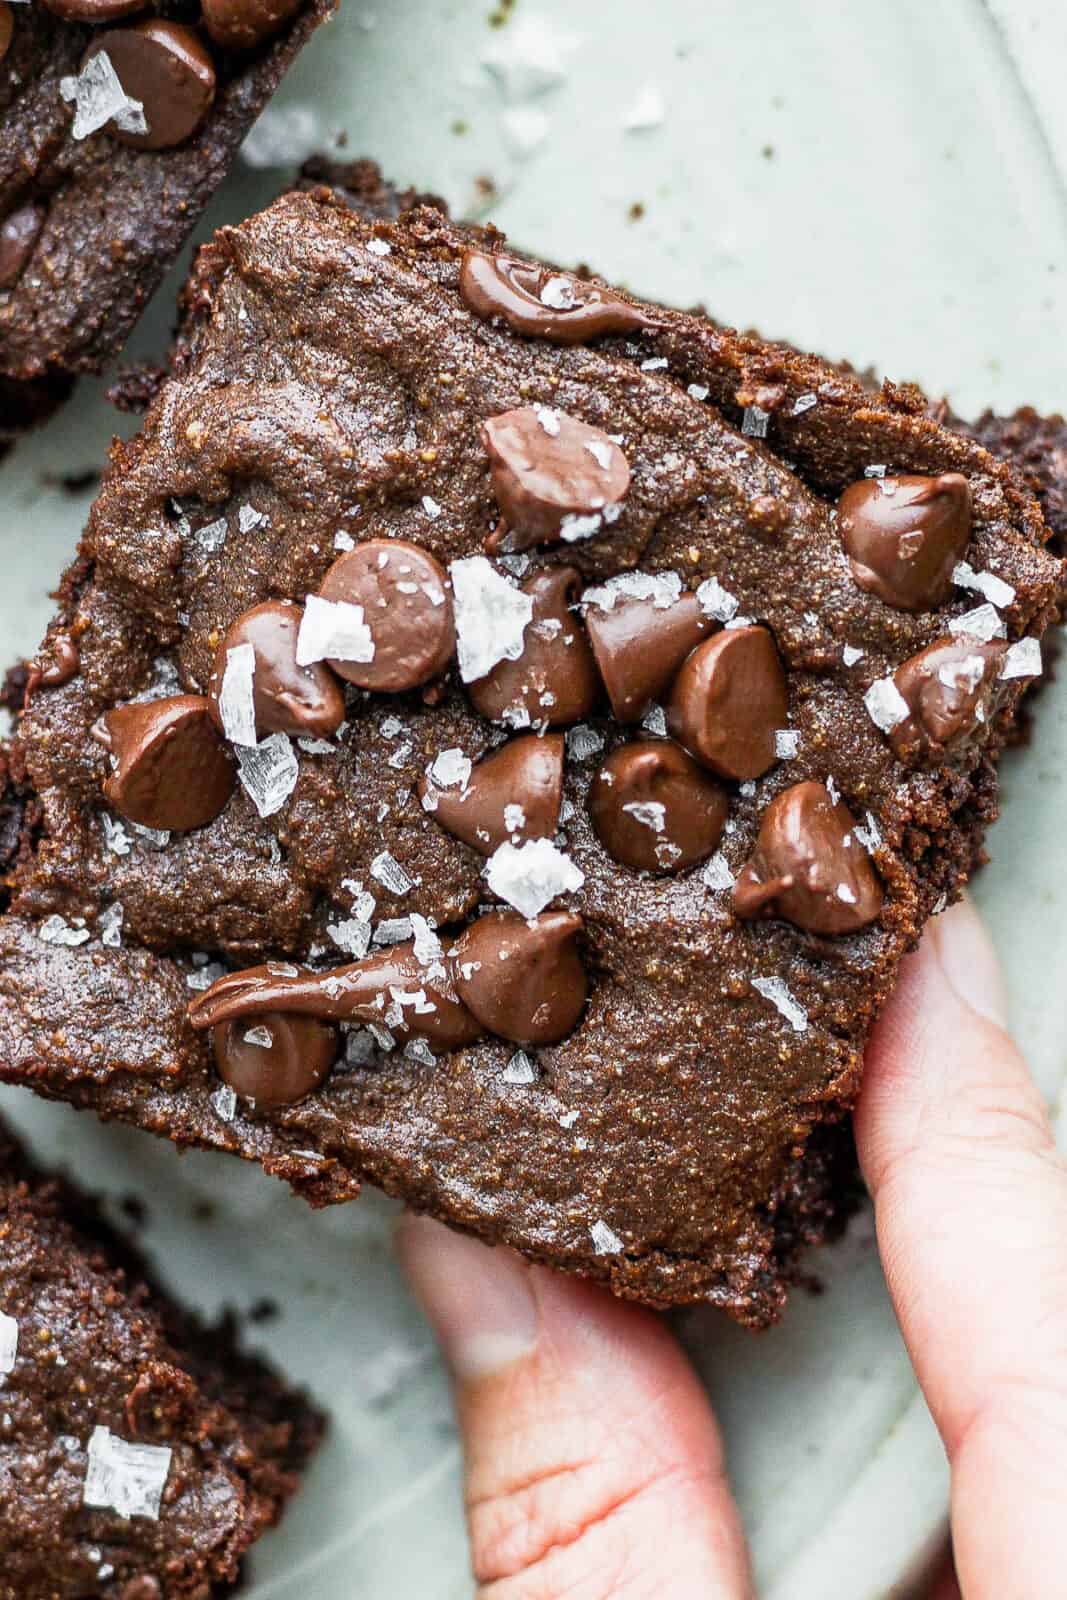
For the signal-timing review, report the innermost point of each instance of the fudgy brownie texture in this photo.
(722, 793)
(90, 221)
(142, 1453)
(1036, 446)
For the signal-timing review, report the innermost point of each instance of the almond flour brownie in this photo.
(118, 121)
(142, 1454)
(498, 740)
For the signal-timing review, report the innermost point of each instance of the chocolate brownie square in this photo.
(498, 740)
(118, 121)
(143, 1454)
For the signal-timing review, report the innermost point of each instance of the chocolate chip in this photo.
(303, 701)
(165, 66)
(639, 647)
(173, 770)
(7, 28)
(20, 231)
(63, 665)
(392, 988)
(952, 690)
(515, 794)
(542, 303)
(904, 536)
(656, 810)
(555, 681)
(94, 10)
(548, 468)
(243, 24)
(808, 866)
(728, 701)
(406, 606)
(275, 1061)
(522, 980)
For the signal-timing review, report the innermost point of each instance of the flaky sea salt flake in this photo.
(57, 930)
(786, 744)
(650, 813)
(9, 1343)
(804, 402)
(390, 874)
(520, 1069)
(583, 742)
(491, 614)
(126, 1478)
(237, 706)
(988, 584)
(984, 622)
(754, 422)
(224, 1103)
(717, 602)
(116, 838)
(352, 935)
(530, 876)
(606, 1241)
(1023, 660)
(99, 98)
(776, 991)
(851, 653)
(268, 772)
(109, 926)
(886, 706)
(333, 629)
(717, 874)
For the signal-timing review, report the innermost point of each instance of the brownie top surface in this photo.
(338, 384)
(140, 1455)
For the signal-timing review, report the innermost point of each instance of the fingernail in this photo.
(477, 1299)
(969, 962)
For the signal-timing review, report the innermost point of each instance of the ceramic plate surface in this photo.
(882, 181)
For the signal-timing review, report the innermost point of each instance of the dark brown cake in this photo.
(89, 223)
(726, 790)
(142, 1454)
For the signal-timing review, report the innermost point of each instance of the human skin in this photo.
(593, 1464)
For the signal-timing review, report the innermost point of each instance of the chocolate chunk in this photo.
(303, 701)
(555, 681)
(728, 701)
(94, 10)
(522, 980)
(808, 866)
(165, 66)
(173, 769)
(406, 606)
(243, 24)
(515, 794)
(275, 1061)
(904, 536)
(548, 468)
(952, 690)
(656, 810)
(639, 646)
(542, 303)
(7, 28)
(20, 231)
(392, 988)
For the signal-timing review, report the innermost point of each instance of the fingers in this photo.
(971, 1204)
(593, 1465)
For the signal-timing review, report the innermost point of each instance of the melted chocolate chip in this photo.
(809, 867)
(522, 980)
(166, 67)
(555, 681)
(406, 606)
(94, 10)
(544, 304)
(244, 24)
(639, 647)
(276, 1062)
(173, 770)
(64, 665)
(391, 988)
(515, 794)
(547, 468)
(904, 536)
(952, 690)
(20, 231)
(303, 701)
(656, 810)
(728, 701)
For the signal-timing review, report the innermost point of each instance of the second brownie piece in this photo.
(142, 1454)
(498, 740)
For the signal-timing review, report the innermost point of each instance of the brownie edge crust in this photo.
(142, 1453)
(331, 390)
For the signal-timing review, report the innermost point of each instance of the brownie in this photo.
(143, 1452)
(498, 740)
(92, 211)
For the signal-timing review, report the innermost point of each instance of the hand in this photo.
(593, 1463)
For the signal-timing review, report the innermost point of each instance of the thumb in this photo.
(593, 1464)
